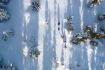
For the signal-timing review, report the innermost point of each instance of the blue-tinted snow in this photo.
(43, 27)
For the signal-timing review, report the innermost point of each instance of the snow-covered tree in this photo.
(34, 52)
(4, 16)
(93, 3)
(35, 6)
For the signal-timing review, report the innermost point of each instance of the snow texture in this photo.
(43, 27)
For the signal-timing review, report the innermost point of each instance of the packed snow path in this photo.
(43, 26)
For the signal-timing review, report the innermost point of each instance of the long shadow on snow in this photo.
(76, 15)
(49, 43)
(11, 50)
(30, 31)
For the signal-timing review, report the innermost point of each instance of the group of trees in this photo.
(4, 16)
(34, 52)
(88, 32)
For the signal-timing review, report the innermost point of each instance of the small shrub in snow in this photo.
(74, 40)
(102, 30)
(6, 34)
(35, 6)
(93, 3)
(34, 52)
(101, 17)
(4, 16)
(78, 65)
(77, 39)
(69, 24)
(88, 29)
(93, 43)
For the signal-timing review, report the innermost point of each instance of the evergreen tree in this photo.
(4, 16)
(35, 6)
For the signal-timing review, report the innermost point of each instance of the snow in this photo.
(42, 26)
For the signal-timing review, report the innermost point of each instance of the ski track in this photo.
(43, 26)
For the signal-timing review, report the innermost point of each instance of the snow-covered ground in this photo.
(43, 26)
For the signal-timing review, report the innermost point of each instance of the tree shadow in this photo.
(69, 8)
(76, 20)
(49, 42)
(11, 50)
(30, 31)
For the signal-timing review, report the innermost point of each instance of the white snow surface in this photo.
(43, 26)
